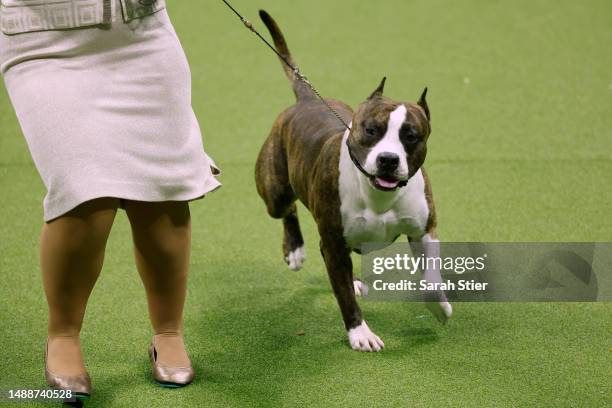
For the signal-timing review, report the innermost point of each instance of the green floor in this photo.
(521, 150)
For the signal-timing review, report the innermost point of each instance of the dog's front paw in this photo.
(437, 303)
(295, 259)
(361, 289)
(363, 339)
(441, 310)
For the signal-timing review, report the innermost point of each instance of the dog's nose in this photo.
(387, 161)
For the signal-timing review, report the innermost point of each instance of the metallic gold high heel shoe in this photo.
(80, 385)
(169, 377)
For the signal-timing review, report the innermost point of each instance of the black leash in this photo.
(296, 70)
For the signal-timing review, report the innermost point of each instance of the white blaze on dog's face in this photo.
(389, 139)
(388, 156)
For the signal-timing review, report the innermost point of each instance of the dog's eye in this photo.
(412, 138)
(410, 135)
(369, 131)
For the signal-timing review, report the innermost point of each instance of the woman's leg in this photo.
(162, 242)
(71, 256)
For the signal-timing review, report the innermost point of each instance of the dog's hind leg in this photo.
(293, 242)
(272, 179)
(272, 175)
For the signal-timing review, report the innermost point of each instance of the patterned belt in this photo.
(20, 16)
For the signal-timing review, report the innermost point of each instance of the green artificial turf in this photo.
(521, 150)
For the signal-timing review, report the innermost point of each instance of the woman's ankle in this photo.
(64, 355)
(170, 349)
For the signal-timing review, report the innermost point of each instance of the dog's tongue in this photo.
(386, 183)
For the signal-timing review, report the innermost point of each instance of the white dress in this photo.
(106, 112)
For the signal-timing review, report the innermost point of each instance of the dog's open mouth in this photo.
(386, 183)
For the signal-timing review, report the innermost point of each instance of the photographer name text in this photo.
(423, 285)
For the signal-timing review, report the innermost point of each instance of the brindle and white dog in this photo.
(363, 185)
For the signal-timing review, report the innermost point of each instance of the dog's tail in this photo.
(300, 89)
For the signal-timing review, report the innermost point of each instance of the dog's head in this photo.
(388, 139)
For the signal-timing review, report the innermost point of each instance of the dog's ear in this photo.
(423, 103)
(378, 93)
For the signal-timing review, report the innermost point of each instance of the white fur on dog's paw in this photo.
(448, 309)
(296, 258)
(441, 310)
(361, 289)
(363, 339)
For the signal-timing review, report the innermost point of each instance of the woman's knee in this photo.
(163, 229)
(84, 228)
(165, 214)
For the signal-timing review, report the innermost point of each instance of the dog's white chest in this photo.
(374, 216)
(367, 226)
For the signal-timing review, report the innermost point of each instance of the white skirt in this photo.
(106, 112)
